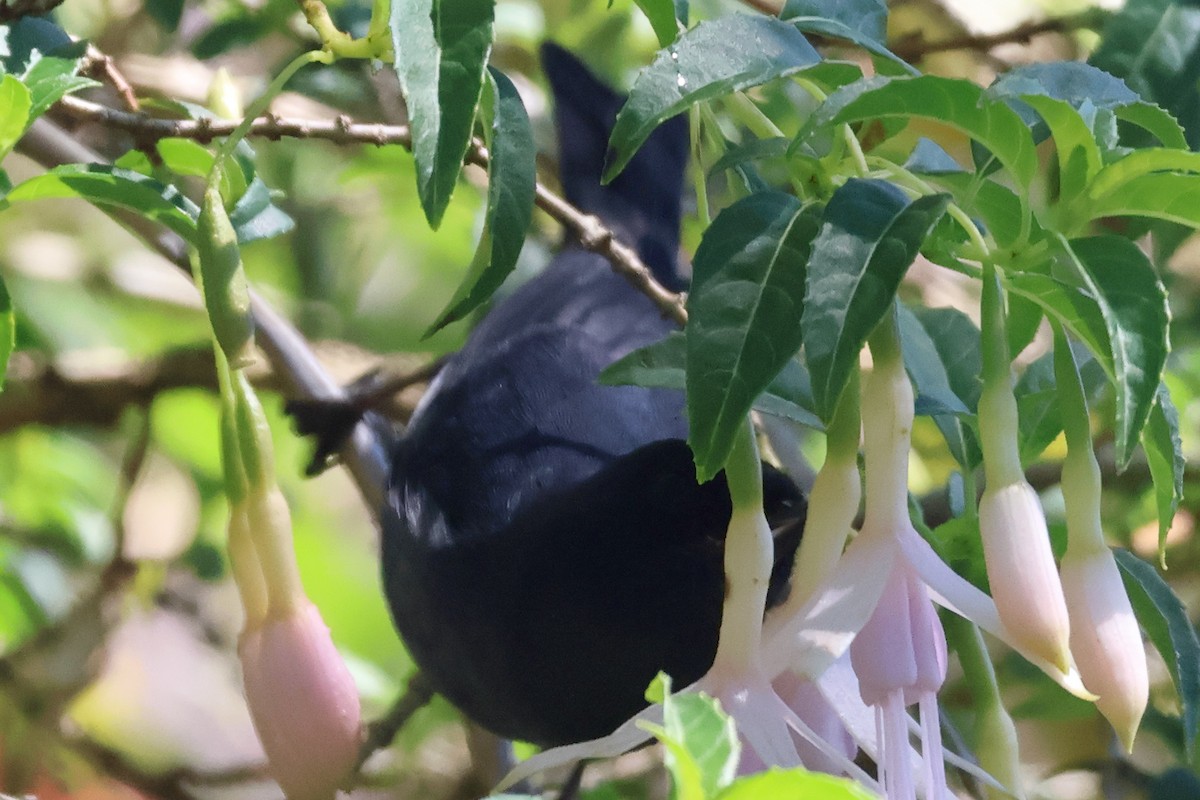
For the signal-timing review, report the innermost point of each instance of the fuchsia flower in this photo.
(1024, 580)
(302, 698)
(881, 587)
(303, 702)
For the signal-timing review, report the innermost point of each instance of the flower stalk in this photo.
(1105, 638)
(1012, 525)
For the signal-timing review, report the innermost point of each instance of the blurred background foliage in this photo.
(117, 619)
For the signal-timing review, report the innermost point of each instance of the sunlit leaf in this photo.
(511, 178)
(1165, 620)
(702, 747)
(958, 103)
(441, 69)
(661, 14)
(108, 186)
(743, 312)
(870, 234)
(794, 783)
(714, 58)
(14, 112)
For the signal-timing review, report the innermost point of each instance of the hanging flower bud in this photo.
(1105, 639)
(1020, 566)
(303, 702)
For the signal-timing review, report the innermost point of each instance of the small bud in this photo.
(1105, 639)
(1020, 567)
(303, 702)
(226, 295)
(224, 98)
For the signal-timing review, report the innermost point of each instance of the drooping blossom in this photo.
(811, 640)
(1012, 525)
(1105, 638)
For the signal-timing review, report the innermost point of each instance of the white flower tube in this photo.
(303, 702)
(1105, 639)
(1016, 543)
(1025, 583)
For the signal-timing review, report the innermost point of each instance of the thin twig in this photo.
(102, 67)
(382, 731)
(771, 7)
(589, 230)
(914, 47)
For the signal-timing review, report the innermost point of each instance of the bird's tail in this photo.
(643, 202)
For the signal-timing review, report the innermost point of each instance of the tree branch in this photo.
(589, 230)
(914, 47)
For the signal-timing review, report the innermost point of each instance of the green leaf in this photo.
(255, 216)
(1072, 82)
(1079, 158)
(713, 59)
(1133, 304)
(701, 742)
(51, 77)
(166, 13)
(870, 235)
(110, 186)
(8, 331)
(1154, 45)
(661, 14)
(1117, 175)
(1075, 309)
(1037, 399)
(861, 22)
(924, 365)
(1164, 455)
(776, 784)
(441, 49)
(663, 365)
(511, 178)
(14, 112)
(187, 157)
(743, 308)
(1166, 622)
(29, 39)
(1156, 121)
(1000, 210)
(866, 18)
(923, 358)
(1159, 195)
(958, 103)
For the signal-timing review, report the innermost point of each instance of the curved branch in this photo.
(589, 230)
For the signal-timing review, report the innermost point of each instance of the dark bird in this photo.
(546, 547)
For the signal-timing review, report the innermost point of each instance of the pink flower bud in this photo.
(303, 702)
(1020, 567)
(1105, 639)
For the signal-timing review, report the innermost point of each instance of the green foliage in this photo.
(707, 62)
(441, 71)
(747, 293)
(511, 179)
(1165, 621)
(869, 236)
(1164, 454)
